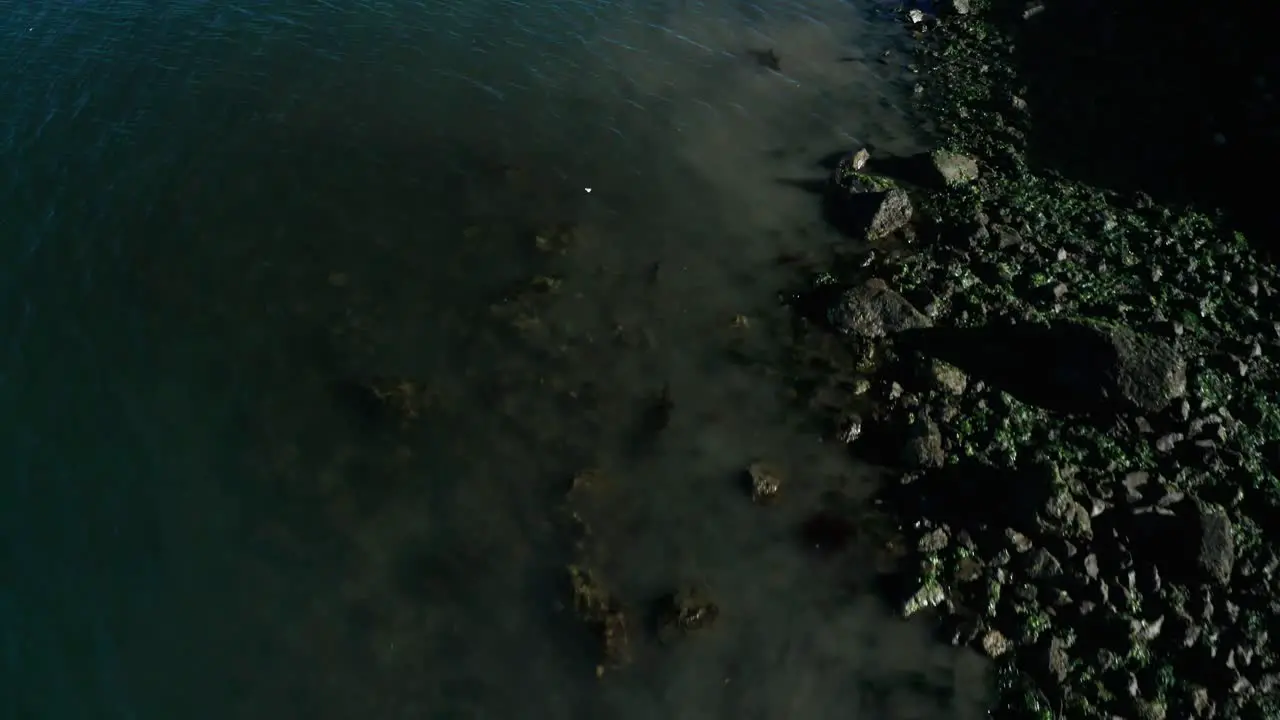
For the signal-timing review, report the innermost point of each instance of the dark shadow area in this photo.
(1062, 368)
(1175, 101)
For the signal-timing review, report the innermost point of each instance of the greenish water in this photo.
(217, 218)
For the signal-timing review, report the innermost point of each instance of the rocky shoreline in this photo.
(1082, 392)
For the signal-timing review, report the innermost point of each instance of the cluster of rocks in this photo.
(1075, 496)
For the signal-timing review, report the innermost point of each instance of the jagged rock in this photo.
(1020, 542)
(934, 541)
(953, 169)
(1057, 662)
(872, 310)
(947, 377)
(765, 482)
(1216, 552)
(924, 446)
(1149, 709)
(684, 611)
(1069, 515)
(929, 595)
(1042, 564)
(866, 206)
(891, 211)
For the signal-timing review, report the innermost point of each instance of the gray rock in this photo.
(1216, 554)
(1057, 662)
(995, 644)
(934, 541)
(924, 447)
(1069, 515)
(1150, 372)
(1064, 365)
(942, 168)
(947, 377)
(1042, 564)
(892, 212)
(873, 311)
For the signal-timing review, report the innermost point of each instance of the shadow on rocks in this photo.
(1177, 101)
(1075, 367)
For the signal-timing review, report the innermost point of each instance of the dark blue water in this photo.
(217, 219)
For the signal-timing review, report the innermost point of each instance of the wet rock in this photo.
(765, 483)
(924, 446)
(863, 205)
(597, 606)
(858, 160)
(687, 610)
(850, 428)
(872, 311)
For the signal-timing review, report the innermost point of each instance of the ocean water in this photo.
(223, 222)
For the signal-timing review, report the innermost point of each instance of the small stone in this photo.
(924, 448)
(934, 541)
(1020, 542)
(929, 595)
(995, 644)
(850, 429)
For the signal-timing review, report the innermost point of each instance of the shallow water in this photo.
(219, 219)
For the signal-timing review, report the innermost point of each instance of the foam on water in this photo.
(219, 216)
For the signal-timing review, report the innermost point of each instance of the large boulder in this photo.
(872, 310)
(1066, 365)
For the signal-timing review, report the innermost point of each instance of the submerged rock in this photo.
(686, 610)
(765, 483)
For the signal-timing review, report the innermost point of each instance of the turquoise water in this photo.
(218, 218)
